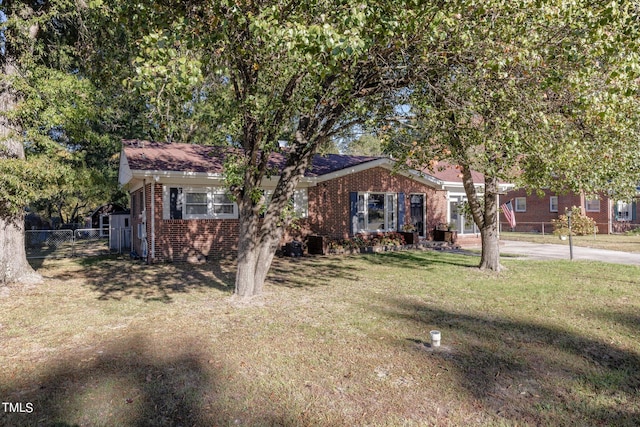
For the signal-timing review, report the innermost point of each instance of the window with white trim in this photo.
(553, 204)
(223, 205)
(521, 204)
(624, 211)
(299, 201)
(198, 203)
(592, 205)
(377, 211)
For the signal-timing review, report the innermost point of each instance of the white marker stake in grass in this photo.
(435, 338)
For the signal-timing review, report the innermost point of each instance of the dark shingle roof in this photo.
(154, 156)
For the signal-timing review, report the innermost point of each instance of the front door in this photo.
(417, 212)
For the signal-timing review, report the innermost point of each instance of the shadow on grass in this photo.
(629, 319)
(532, 373)
(124, 384)
(115, 279)
(131, 383)
(413, 259)
(310, 271)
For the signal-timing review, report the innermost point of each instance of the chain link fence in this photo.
(80, 242)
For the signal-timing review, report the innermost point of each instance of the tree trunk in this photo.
(247, 242)
(485, 217)
(259, 239)
(13, 258)
(256, 248)
(490, 259)
(14, 267)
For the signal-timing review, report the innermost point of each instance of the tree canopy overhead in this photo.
(527, 92)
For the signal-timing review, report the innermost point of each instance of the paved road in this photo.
(545, 251)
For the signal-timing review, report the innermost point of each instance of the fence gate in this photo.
(90, 242)
(80, 242)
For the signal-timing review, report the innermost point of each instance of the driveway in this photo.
(547, 251)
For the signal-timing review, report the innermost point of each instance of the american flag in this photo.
(507, 209)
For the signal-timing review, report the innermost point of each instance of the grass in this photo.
(616, 242)
(333, 341)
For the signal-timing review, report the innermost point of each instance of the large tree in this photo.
(17, 176)
(530, 93)
(57, 151)
(292, 70)
(13, 261)
(305, 64)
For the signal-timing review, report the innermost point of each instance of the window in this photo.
(299, 201)
(592, 205)
(553, 204)
(624, 211)
(377, 211)
(197, 203)
(223, 205)
(521, 204)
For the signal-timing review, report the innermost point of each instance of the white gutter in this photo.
(312, 181)
(143, 173)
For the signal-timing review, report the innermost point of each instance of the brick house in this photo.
(181, 211)
(534, 213)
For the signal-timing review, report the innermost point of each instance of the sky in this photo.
(3, 18)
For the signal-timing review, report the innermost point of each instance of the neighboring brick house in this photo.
(534, 213)
(181, 211)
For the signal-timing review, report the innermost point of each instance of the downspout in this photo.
(145, 245)
(156, 178)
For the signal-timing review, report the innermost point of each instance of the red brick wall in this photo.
(195, 240)
(538, 212)
(328, 214)
(188, 239)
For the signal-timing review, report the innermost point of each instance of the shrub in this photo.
(581, 225)
(364, 240)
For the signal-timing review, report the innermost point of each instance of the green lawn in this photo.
(334, 341)
(616, 242)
